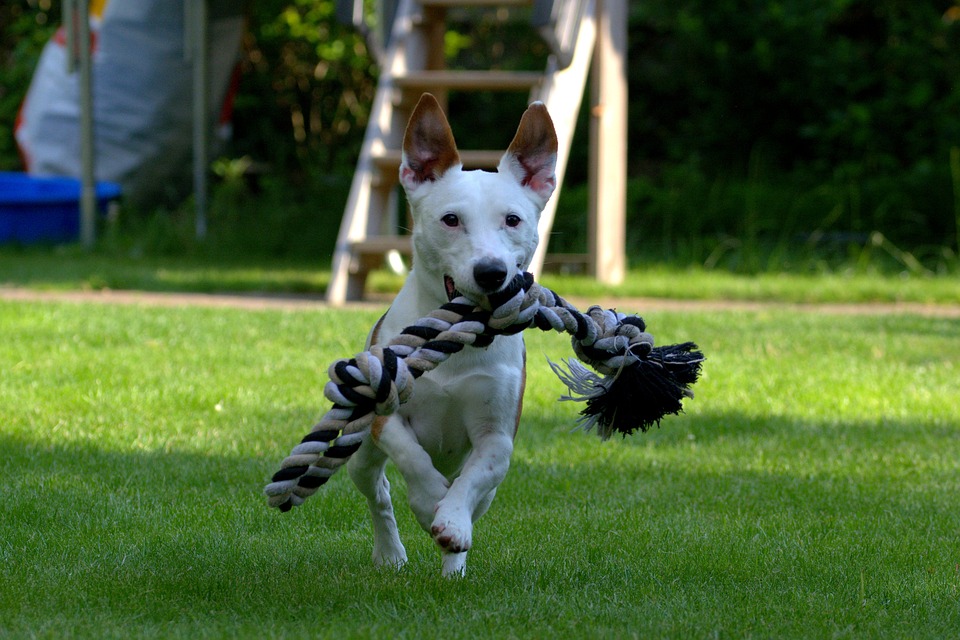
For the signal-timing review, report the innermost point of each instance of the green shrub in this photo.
(756, 129)
(25, 26)
(306, 88)
(853, 97)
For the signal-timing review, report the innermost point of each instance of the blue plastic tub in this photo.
(44, 210)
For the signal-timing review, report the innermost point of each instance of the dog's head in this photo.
(473, 231)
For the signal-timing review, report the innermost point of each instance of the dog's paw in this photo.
(452, 531)
(389, 558)
(454, 565)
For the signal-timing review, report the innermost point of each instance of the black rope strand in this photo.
(640, 385)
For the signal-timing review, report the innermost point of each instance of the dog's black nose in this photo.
(490, 274)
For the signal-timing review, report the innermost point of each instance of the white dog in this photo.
(473, 231)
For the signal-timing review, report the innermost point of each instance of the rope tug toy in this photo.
(640, 383)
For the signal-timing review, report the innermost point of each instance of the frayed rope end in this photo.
(638, 396)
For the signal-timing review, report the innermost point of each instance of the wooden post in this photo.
(606, 226)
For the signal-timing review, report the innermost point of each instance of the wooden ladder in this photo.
(413, 63)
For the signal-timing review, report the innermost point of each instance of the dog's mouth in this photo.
(451, 287)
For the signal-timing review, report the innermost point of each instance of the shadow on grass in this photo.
(163, 535)
(679, 530)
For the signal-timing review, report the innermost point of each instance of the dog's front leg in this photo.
(471, 493)
(425, 485)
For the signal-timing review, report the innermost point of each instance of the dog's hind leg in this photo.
(366, 469)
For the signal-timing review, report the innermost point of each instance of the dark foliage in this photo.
(815, 84)
(751, 122)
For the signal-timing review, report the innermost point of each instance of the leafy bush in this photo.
(853, 96)
(25, 26)
(306, 87)
(756, 128)
(814, 83)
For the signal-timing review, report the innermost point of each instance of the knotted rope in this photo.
(640, 383)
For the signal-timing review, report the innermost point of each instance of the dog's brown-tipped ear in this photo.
(532, 156)
(429, 149)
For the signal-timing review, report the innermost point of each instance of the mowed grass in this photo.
(69, 268)
(810, 490)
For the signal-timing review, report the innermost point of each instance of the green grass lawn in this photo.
(70, 268)
(812, 488)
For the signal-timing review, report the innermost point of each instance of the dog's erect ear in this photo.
(532, 156)
(428, 146)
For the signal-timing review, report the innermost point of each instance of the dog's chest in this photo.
(469, 394)
(470, 386)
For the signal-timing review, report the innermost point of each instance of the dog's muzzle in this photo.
(490, 276)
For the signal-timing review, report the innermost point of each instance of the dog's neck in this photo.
(423, 291)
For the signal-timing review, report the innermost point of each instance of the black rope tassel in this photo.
(637, 396)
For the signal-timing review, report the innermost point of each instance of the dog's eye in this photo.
(451, 220)
(512, 220)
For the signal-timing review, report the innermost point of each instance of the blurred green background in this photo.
(789, 135)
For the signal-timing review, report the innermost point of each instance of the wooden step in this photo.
(389, 160)
(370, 254)
(364, 256)
(469, 80)
(380, 245)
